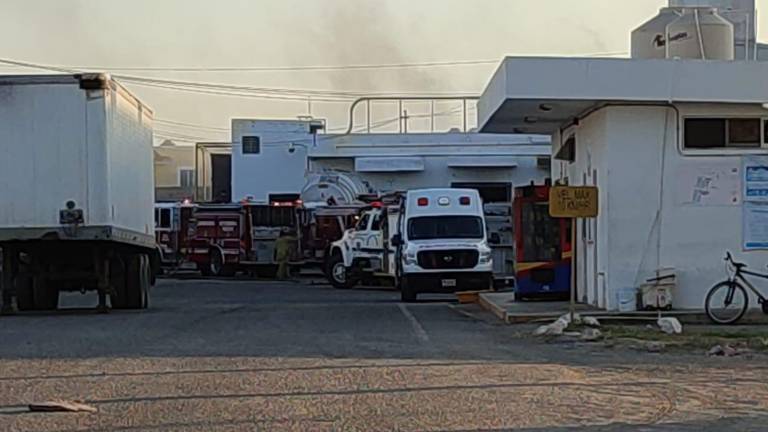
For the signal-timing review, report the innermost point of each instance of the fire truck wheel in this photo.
(205, 269)
(218, 266)
(217, 262)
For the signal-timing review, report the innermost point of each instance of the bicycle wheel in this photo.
(726, 302)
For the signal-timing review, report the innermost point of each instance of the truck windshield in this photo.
(440, 227)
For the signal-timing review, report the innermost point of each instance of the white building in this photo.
(288, 149)
(666, 143)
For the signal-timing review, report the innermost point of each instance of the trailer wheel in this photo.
(137, 282)
(25, 298)
(337, 273)
(45, 293)
(118, 284)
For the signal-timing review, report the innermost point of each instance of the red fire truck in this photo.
(217, 239)
(172, 231)
(222, 239)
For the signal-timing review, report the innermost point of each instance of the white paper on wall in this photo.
(755, 178)
(709, 185)
(755, 226)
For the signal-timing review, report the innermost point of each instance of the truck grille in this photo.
(447, 259)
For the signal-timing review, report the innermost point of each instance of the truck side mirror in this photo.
(494, 239)
(397, 240)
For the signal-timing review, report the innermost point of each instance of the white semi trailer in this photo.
(76, 191)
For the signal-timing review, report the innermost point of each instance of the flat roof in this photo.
(70, 79)
(428, 144)
(539, 94)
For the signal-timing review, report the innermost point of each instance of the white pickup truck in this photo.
(430, 241)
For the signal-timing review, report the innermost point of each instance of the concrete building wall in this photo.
(169, 160)
(288, 150)
(275, 169)
(647, 220)
(438, 173)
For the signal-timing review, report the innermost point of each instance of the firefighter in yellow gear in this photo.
(283, 251)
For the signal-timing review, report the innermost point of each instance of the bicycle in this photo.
(727, 301)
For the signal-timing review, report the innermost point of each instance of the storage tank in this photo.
(338, 187)
(700, 33)
(649, 41)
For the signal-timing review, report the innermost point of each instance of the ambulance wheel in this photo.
(407, 294)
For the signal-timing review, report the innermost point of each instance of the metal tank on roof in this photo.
(333, 187)
(700, 33)
(649, 41)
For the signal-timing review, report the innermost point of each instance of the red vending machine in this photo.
(543, 246)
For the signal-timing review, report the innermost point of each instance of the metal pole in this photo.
(572, 307)
(368, 115)
(405, 121)
(432, 115)
(197, 172)
(464, 101)
(399, 113)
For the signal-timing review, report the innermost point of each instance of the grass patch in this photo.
(693, 337)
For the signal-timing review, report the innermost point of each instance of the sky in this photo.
(281, 33)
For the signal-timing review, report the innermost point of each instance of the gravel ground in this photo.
(243, 355)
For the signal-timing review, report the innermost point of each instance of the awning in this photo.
(483, 162)
(541, 95)
(389, 164)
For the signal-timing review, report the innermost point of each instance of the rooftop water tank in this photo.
(700, 33)
(649, 40)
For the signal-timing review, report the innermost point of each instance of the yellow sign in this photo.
(573, 201)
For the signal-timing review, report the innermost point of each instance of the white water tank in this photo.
(340, 187)
(649, 41)
(700, 33)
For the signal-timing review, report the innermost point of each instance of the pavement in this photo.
(217, 355)
(508, 309)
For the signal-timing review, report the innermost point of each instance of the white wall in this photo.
(275, 170)
(437, 173)
(644, 222)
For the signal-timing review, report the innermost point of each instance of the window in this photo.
(445, 227)
(251, 145)
(186, 177)
(713, 133)
(376, 224)
(272, 216)
(162, 218)
(568, 151)
(540, 233)
(489, 192)
(363, 224)
(765, 131)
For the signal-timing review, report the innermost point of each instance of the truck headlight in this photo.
(410, 258)
(485, 257)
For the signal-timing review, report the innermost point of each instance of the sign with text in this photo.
(573, 201)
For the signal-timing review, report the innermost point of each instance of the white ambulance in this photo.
(431, 241)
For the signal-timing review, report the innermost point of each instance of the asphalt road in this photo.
(244, 355)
